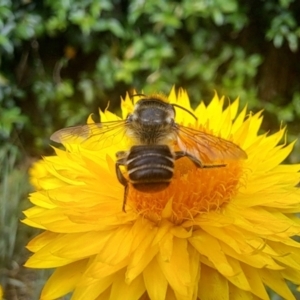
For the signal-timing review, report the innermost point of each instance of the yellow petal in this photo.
(63, 280)
(212, 285)
(212, 251)
(122, 291)
(179, 281)
(139, 261)
(256, 285)
(93, 289)
(155, 281)
(276, 282)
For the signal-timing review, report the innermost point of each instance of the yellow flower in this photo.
(215, 233)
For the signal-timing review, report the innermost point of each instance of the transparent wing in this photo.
(208, 148)
(101, 134)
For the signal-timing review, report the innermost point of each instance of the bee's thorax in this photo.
(152, 122)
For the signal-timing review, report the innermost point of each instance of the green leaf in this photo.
(278, 40)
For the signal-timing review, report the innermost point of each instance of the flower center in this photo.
(192, 191)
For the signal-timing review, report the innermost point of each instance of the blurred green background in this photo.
(62, 59)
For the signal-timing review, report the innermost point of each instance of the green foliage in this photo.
(61, 60)
(284, 25)
(14, 188)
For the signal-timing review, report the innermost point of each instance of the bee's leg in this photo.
(180, 154)
(121, 161)
(120, 175)
(196, 161)
(214, 166)
(125, 198)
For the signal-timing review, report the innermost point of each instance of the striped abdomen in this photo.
(150, 167)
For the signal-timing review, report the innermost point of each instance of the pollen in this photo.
(192, 191)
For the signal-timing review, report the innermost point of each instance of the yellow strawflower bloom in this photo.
(216, 233)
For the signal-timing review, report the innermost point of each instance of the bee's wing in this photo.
(105, 133)
(208, 148)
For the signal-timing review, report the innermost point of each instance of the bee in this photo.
(158, 141)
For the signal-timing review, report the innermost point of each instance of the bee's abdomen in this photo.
(150, 166)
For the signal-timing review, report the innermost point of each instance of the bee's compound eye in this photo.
(131, 118)
(171, 121)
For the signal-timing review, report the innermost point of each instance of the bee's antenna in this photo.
(137, 95)
(183, 108)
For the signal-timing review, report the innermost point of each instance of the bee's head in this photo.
(153, 112)
(152, 121)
